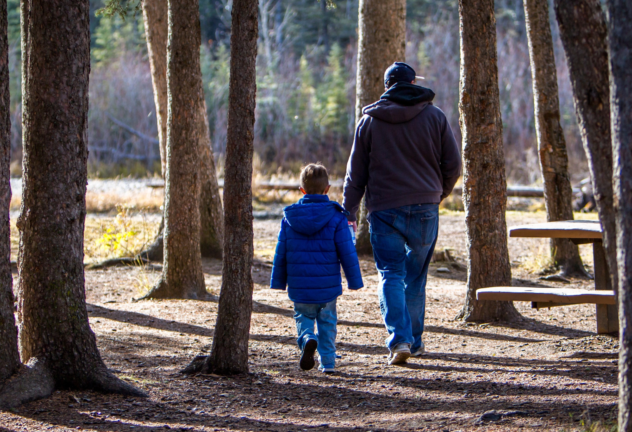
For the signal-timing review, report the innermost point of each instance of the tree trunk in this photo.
(381, 42)
(182, 275)
(584, 36)
(484, 184)
(211, 214)
(620, 45)
(558, 193)
(229, 354)
(155, 16)
(55, 336)
(9, 356)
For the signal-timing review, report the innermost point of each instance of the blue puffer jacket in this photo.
(314, 240)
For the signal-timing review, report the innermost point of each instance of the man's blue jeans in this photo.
(325, 317)
(403, 241)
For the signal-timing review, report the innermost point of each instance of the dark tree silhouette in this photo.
(229, 353)
(484, 184)
(558, 192)
(211, 214)
(182, 275)
(584, 36)
(620, 45)
(381, 42)
(55, 336)
(9, 356)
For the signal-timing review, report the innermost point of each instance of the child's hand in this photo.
(355, 226)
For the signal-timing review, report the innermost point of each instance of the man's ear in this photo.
(302, 191)
(327, 190)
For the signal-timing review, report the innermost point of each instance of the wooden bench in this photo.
(579, 232)
(548, 297)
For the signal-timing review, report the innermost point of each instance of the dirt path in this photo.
(548, 372)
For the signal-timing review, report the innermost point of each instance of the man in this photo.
(405, 157)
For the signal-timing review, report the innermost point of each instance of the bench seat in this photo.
(547, 295)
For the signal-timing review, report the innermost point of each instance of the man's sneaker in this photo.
(307, 358)
(419, 351)
(399, 354)
(326, 369)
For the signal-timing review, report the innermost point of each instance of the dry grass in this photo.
(148, 201)
(123, 235)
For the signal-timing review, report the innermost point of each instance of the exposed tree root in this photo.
(114, 262)
(33, 381)
(154, 251)
(488, 311)
(196, 365)
(162, 290)
(575, 271)
(201, 364)
(106, 382)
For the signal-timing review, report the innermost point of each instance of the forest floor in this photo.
(549, 371)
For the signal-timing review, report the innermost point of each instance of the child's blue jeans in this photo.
(325, 316)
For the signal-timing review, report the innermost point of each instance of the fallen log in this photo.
(512, 191)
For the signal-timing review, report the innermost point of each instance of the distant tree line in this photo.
(306, 84)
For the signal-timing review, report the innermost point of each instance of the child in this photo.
(314, 240)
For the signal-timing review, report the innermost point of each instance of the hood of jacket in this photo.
(311, 213)
(400, 103)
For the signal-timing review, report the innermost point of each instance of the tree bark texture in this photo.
(558, 192)
(9, 356)
(381, 42)
(620, 46)
(229, 353)
(54, 328)
(182, 275)
(584, 37)
(155, 14)
(484, 184)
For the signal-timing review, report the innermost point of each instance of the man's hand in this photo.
(355, 226)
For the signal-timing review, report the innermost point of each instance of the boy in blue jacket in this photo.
(314, 240)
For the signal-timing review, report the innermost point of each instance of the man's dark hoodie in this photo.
(404, 153)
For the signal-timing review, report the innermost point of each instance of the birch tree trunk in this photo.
(558, 192)
(484, 184)
(182, 275)
(55, 337)
(229, 353)
(584, 36)
(155, 14)
(381, 42)
(620, 45)
(9, 356)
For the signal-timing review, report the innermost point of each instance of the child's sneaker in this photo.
(307, 358)
(327, 369)
(419, 351)
(400, 354)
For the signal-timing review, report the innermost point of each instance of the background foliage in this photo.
(306, 84)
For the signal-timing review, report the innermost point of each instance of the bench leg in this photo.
(607, 315)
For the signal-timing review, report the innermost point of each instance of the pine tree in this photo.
(620, 48)
(229, 353)
(56, 341)
(211, 213)
(381, 42)
(484, 185)
(182, 275)
(558, 193)
(9, 356)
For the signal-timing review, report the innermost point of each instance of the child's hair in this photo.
(314, 179)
